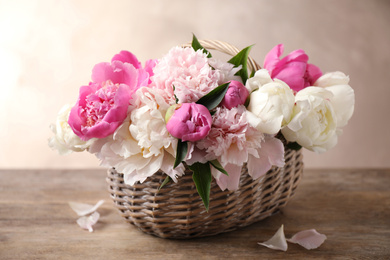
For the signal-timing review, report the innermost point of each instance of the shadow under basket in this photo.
(177, 211)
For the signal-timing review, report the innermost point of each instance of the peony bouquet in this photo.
(189, 110)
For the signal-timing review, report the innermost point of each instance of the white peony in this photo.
(320, 112)
(271, 103)
(260, 78)
(142, 145)
(65, 141)
(343, 99)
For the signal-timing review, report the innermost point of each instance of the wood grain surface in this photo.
(351, 207)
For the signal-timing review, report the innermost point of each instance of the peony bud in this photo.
(236, 95)
(171, 111)
(188, 121)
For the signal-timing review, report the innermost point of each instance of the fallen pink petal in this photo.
(309, 239)
(87, 222)
(83, 209)
(277, 242)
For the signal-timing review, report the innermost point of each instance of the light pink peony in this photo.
(292, 69)
(236, 95)
(102, 105)
(190, 73)
(232, 141)
(271, 153)
(190, 122)
(231, 137)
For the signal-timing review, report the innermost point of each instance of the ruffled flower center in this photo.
(231, 137)
(99, 103)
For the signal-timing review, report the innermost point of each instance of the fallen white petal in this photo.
(83, 209)
(277, 242)
(87, 222)
(309, 239)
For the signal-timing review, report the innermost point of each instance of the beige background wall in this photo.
(48, 48)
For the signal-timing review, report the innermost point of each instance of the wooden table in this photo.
(351, 207)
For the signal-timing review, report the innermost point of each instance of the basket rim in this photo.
(226, 48)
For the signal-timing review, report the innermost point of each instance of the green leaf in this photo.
(202, 178)
(181, 152)
(212, 99)
(197, 46)
(241, 58)
(252, 74)
(294, 146)
(176, 99)
(247, 101)
(215, 163)
(167, 179)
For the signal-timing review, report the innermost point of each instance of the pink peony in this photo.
(236, 95)
(189, 122)
(292, 69)
(102, 105)
(127, 57)
(141, 145)
(149, 66)
(144, 74)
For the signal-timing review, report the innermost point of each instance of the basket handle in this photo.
(226, 48)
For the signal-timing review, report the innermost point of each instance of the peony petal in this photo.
(292, 74)
(312, 74)
(331, 79)
(117, 72)
(166, 167)
(143, 78)
(149, 65)
(87, 222)
(197, 155)
(260, 78)
(253, 120)
(127, 57)
(309, 239)
(294, 56)
(271, 153)
(258, 167)
(83, 209)
(232, 181)
(343, 103)
(273, 57)
(277, 242)
(273, 148)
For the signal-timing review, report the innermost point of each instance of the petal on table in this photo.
(83, 209)
(277, 242)
(87, 222)
(309, 239)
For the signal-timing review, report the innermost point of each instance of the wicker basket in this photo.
(177, 211)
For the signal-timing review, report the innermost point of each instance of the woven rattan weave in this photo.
(177, 211)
